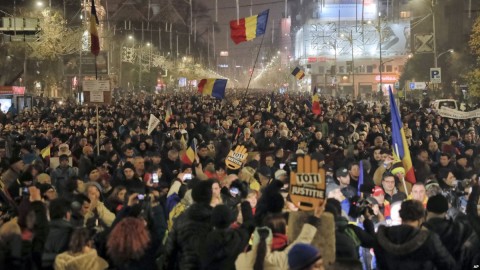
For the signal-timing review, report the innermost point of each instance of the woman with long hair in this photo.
(128, 245)
(262, 256)
(80, 254)
(115, 201)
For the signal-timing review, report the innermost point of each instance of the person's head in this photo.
(269, 161)
(388, 182)
(276, 223)
(118, 194)
(64, 162)
(216, 189)
(437, 206)
(202, 192)
(88, 151)
(412, 213)
(81, 204)
(378, 194)
(264, 175)
(354, 170)
(139, 163)
(128, 151)
(173, 154)
(333, 191)
(422, 155)
(343, 177)
(449, 178)
(202, 150)
(59, 209)
(79, 240)
(444, 159)
(93, 190)
(305, 257)
(377, 154)
(129, 170)
(419, 192)
(128, 240)
(432, 146)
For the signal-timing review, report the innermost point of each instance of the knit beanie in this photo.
(437, 204)
(129, 165)
(302, 255)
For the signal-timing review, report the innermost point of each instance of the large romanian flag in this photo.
(248, 28)
(94, 39)
(316, 102)
(213, 87)
(189, 155)
(399, 141)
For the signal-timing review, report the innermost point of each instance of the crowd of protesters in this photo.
(129, 200)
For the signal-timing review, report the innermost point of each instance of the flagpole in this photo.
(254, 64)
(403, 178)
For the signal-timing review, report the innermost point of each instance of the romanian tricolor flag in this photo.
(94, 39)
(189, 155)
(213, 87)
(270, 102)
(316, 102)
(399, 141)
(248, 28)
(298, 73)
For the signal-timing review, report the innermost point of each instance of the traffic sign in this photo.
(435, 75)
(418, 85)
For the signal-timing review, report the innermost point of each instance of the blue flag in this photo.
(360, 178)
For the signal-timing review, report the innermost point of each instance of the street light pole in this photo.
(380, 46)
(435, 57)
(440, 55)
(353, 63)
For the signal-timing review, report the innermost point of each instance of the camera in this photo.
(187, 176)
(141, 197)
(360, 207)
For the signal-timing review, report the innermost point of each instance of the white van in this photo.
(448, 103)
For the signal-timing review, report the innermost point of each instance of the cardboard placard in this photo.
(307, 184)
(236, 158)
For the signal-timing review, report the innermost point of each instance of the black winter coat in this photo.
(453, 234)
(189, 232)
(57, 241)
(406, 247)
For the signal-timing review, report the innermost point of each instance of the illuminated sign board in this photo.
(346, 9)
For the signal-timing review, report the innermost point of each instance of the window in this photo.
(389, 68)
(400, 68)
(341, 69)
(369, 69)
(405, 14)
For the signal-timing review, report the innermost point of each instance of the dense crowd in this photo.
(131, 200)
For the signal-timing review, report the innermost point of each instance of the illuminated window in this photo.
(405, 14)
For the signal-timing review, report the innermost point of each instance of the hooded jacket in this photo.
(406, 247)
(189, 231)
(88, 260)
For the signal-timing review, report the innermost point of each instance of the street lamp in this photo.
(39, 4)
(440, 55)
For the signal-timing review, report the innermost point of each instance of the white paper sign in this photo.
(96, 96)
(96, 86)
